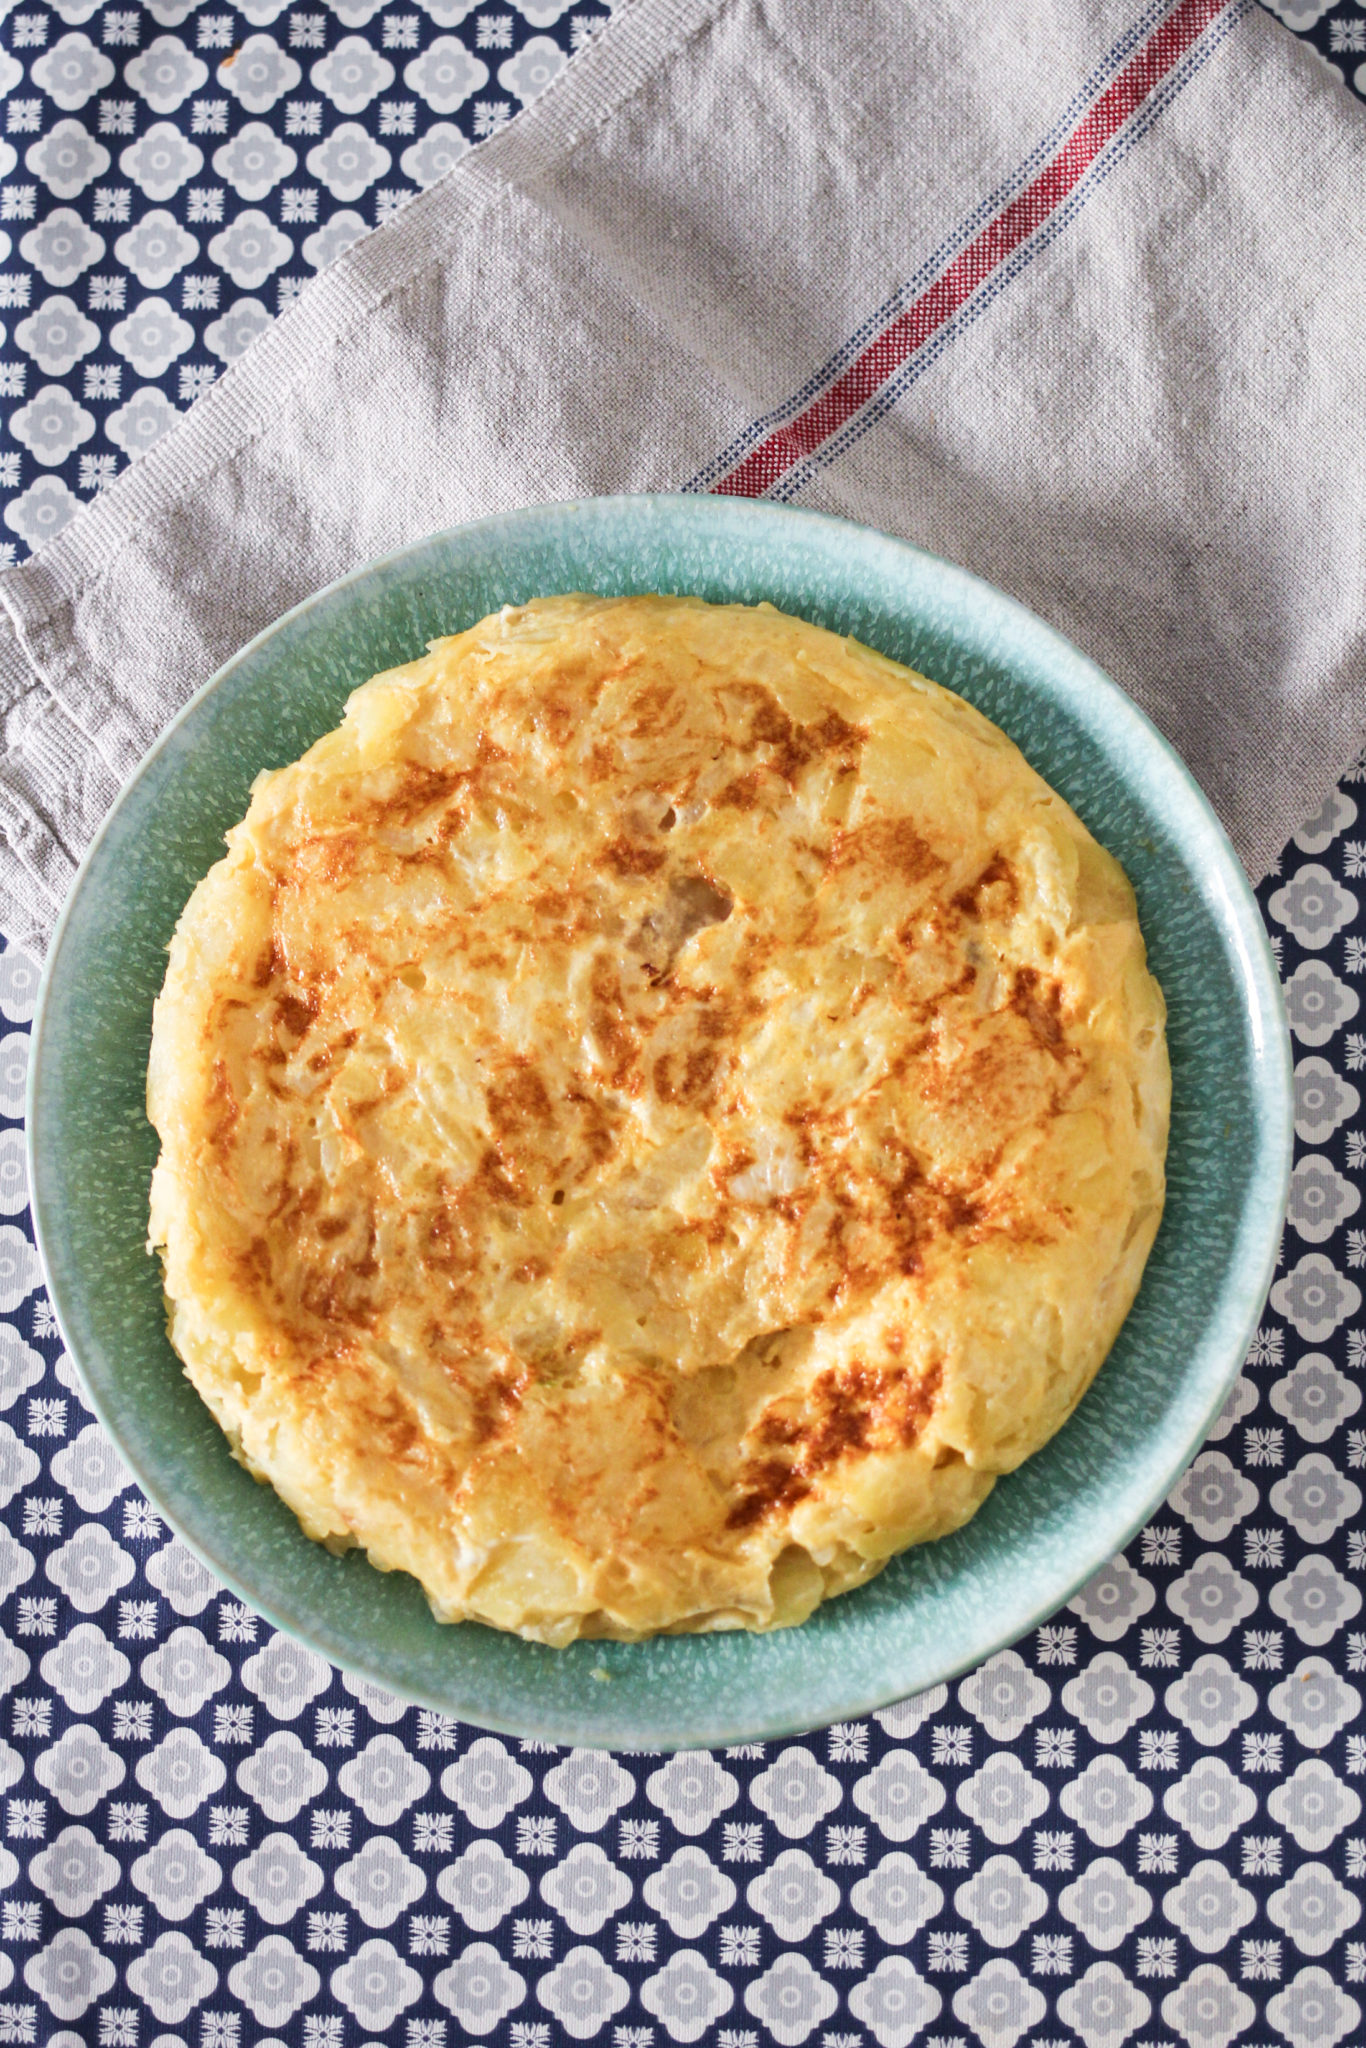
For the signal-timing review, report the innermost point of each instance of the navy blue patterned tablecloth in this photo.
(1143, 1824)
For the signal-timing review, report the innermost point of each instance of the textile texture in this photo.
(1143, 1824)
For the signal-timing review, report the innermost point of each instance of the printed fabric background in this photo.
(1142, 1824)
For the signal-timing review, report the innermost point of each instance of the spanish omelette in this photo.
(658, 1110)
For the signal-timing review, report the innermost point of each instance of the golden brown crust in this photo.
(657, 1110)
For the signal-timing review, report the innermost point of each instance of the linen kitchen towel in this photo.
(1076, 303)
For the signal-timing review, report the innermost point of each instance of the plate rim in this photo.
(1084, 686)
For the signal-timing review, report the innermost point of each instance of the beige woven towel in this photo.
(1069, 291)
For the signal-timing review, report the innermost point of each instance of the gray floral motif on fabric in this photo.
(1211, 1699)
(897, 1898)
(689, 1892)
(259, 74)
(1003, 1797)
(1241, 1399)
(1313, 906)
(1208, 2010)
(537, 65)
(384, 1780)
(1314, 1909)
(85, 1668)
(186, 1671)
(18, 1464)
(177, 1573)
(793, 1895)
(21, 1367)
(1323, 1100)
(1104, 2007)
(341, 232)
(687, 1996)
(1107, 1697)
(380, 1882)
(91, 1470)
(255, 161)
(377, 1985)
(1315, 1297)
(899, 1795)
(1106, 1801)
(796, 1792)
(379, 1703)
(1334, 815)
(277, 1879)
(1001, 1901)
(1105, 1904)
(1315, 1397)
(1314, 1805)
(586, 1889)
(583, 1993)
(1317, 1003)
(51, 425)
(1112, 1601)
(69, 1974)
(152, 337)
(589, 1787)
(285, 1677)
(352, 75)
(176, 1875)
(281, 1776)
(1320, 1199)
(90, 1568)
(999, 2004)
(790, 2000)
(1213, 1496)
(483, 1884)
(165, 74)
(1314, 1702)
(486, 1783)
(692, 1789)
(251, 249)
(161, 161)
(907, 1716)
(1315, 1600)
(142, 422)
(1210, 1803)
(1210, 1907)
(13, 1081)
(1313, 2009)
(1212, 1598)
(349, 162)
(72, 71)
(445, 75)
(16, 1565)
(274, 1981)
(1005, 1696)
(1315, 1498)
(67, 160)
(172, 1978)
(79, 1769)
(440, 149)
(181, 1773)
(20, 974)
(74, 1871)
(895, 2003)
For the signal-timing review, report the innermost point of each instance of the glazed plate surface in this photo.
(1044, 1531)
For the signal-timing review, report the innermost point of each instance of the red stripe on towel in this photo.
(761, 468)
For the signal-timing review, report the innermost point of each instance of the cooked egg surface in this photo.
(658, 1110)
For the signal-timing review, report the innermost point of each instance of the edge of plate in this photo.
(1089, 690)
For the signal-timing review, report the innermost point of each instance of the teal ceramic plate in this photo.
(935, 1611)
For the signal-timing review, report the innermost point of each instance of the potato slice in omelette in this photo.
(658, 1109)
